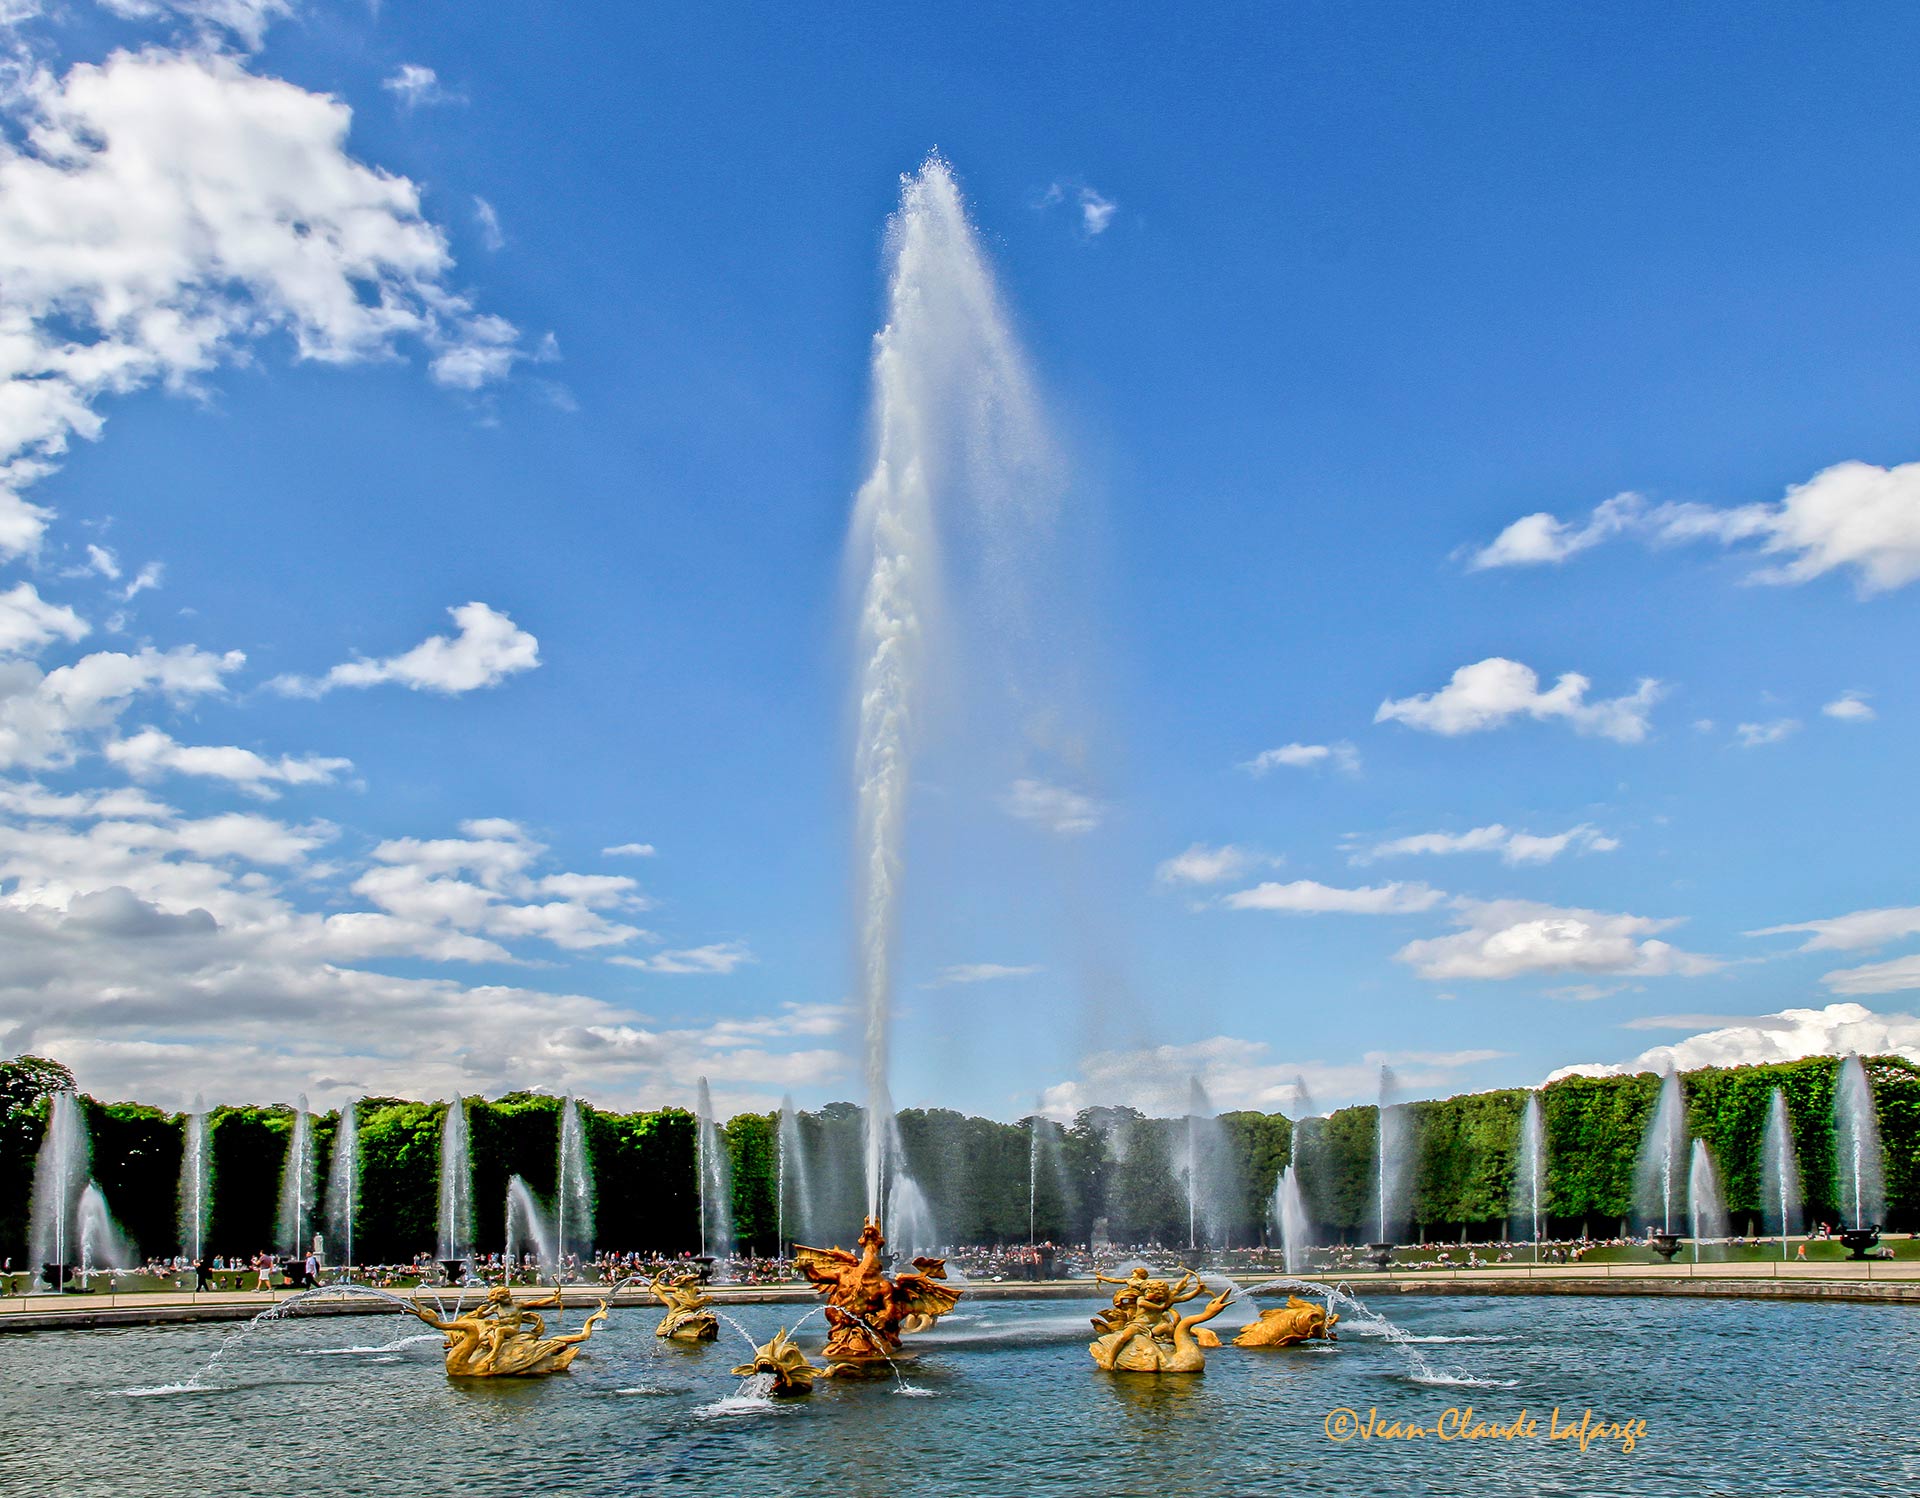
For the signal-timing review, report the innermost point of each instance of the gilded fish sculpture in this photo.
(1282, 1326)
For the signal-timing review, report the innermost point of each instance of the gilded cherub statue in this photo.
(494, 1341)
(1124, 1299)
(867, 1311)
(1282, 1326)
(688, 1318)
(1156, 1340)
(785, 1363)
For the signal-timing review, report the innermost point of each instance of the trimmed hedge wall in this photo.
(1110, 1163)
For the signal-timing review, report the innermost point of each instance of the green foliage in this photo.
(986, 1180)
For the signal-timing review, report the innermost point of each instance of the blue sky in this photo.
(340, 318)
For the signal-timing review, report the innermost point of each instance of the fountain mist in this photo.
(343, 1181)
(1290, 1215)
(1780, 1172)
(102, 1244)
(297, 1183)
(1704, 1205)
(1658, 1182)
(1203, 1156)
(573, 1201)
(1529, 1179)
(196, 1180)
(59, 1177)
(793, 1184)
(716, 1180)
(1856, 1129)
(1389, 1158)
(528, 1226)
(456, 1186)
(954, 418)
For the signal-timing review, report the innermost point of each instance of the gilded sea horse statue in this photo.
(689, 1317)
(494, 1339)
(867, 1311)
(1156, 1338)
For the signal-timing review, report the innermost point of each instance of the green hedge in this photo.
(1111, 1164)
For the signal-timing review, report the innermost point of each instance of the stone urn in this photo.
(1664, 1244)
(1858, 1240)
(1380, 1255)
(455, 1270)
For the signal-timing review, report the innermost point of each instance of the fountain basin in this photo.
(1858, 1240)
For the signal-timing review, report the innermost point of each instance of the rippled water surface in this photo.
(1737, 1397)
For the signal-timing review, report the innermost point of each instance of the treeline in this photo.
(985, 1181)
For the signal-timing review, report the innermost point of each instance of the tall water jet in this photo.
(196, 1182)
(1290, 1215)
(297, 1184)
(954, 420)
(793, 1216)
(1389, 1167)
(343, 1182)
(1704, 1205)
(1663, 1152)
(1780, 1172)
(59, 1177)
(1530, 1177)
(716, 1179)
(1203, 1146)
(1857, 1165)
(456, 1186)
(573, 1200)
(529, 1229)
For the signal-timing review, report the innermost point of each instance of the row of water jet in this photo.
(1857, 1164)
(69, 1225)
(954, 420)
(196, 1183)
(1658, 1178)
(714, 1173)
(343, 1182)
(1530, 1177)
(793, 1189)
(455, 1236)
(1780, 1173)
(573, 1195)
(293, 1227)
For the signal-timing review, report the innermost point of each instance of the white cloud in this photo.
(1852, 932)
(492, 237)
(1514, 847)
(980, 972)
(1790, 1035)
(161, 210)
(1341, 756)
(1237, 1074)
(720, 957)
(44, 717)
(1096, 211)
(28, 621)
(1495, 691)
(414, 84)
(246, 20)
(628, 850)
(1306, 897)
(151, 753)
(487, 648)
(1203, 865)
(1850, 707)
(1755, 735)
(1053, 807)
(1850, 516)
(1504, 939)
(1876, 977)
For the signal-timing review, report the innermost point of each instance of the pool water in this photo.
(1736, 1398)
